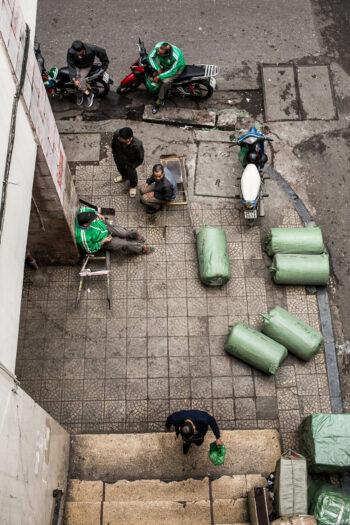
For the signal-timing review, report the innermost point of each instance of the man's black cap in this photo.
(86, 216)
(76, 47)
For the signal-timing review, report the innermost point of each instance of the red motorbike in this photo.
(197, 81)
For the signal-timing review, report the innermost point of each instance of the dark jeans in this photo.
(127, 172)
(123, 240)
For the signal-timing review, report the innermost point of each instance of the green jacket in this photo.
(170, 65)
(131, 154)
(90, 238)
(87, 59)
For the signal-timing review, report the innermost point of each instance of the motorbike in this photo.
(253, 160)
(196, 82)
(58, 82)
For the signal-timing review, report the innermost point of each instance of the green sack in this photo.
(329, 505)
(324, 439)
(294, 240)
(255, 348)
(300, 269)
(217, 453)
(213, 258)
(298, 337)
(291, 485)
(152, 87)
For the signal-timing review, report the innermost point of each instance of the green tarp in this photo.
(294, 240)
(255, 348)
(329, 504)
(300, 269)
(291, 485)
(298, 337)
(324, 439)
(213, 258)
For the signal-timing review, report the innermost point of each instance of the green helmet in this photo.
(53, 73)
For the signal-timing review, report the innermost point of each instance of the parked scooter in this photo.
(197, 81)
(253, 160)
(58, 82)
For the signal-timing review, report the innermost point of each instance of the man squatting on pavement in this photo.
(93, 234)
(193, 426)
(128, 154)
(158, 189)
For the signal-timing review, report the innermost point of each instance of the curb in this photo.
(322, 299)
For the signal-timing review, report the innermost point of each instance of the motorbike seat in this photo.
(250, 182)
(63, 73)
(192, 71)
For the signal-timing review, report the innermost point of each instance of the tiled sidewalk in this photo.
(161, 346)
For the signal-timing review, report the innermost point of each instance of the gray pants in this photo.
(166, 83)
(81, 76)
(121, 240)
(154, 202)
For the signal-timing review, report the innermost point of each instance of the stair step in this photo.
(226, 487)
(155, 512)
(112, 457)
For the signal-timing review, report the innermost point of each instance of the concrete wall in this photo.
(37, 147)
(34, 455)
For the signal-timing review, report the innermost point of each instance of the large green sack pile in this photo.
(291, 485)
(213, 258)
(298, 337)
(329, 504)
(294, 240)
(308, 270)
(255, 348)
(324, 439)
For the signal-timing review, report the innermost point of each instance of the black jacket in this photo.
(200, 419)
(164, 190)
(131, 154)
(87, 60)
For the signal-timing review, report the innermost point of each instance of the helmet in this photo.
(53, 73)
(252, 157)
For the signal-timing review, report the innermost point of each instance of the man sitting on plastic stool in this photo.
(93, 234)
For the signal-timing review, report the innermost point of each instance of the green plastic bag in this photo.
(217, 453)
(255, 348)
(294, 240)
(152, 87)
(298, 337)
(324, 439)
(213, 258)
(300, 269)
(329, 505)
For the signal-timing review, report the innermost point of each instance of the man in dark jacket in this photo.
(80, 58)
(193, 426)
(128, 154)
(158, 189)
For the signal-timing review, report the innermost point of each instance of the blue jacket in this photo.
(165, 189)
(200, 419)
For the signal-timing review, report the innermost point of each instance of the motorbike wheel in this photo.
(99, 88)
(202, 90)
(124, 90)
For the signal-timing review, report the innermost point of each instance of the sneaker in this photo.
(119, 179)
(132, 192)
(152, 211)
(147, 249)
(80, 99)
(186, 447)
(155, 109)
(89, 100)
(140, 238)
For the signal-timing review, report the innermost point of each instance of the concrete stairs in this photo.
(144, 479)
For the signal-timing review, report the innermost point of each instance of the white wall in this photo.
(29, 10)
(34, 456)
(17, 210)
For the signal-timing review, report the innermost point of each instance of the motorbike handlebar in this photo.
(268, 139)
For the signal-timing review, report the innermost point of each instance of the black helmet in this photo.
(252, 157)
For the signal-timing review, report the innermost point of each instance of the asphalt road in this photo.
(237, 35)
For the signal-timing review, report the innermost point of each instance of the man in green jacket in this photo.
(80, 59)
(169, 62)
(93, 234)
